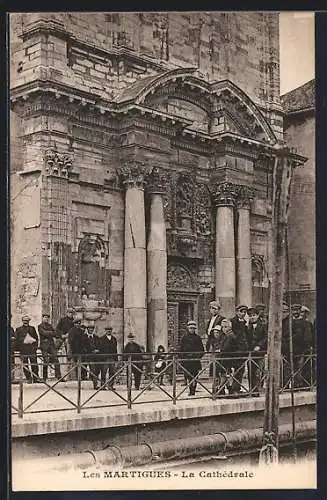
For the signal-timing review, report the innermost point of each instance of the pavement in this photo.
(46, 411)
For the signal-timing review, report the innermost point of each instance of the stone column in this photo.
(224, 197)
(157, 267)
(135, 307)
(244, 267)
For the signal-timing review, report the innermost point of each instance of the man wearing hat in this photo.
(262, 311)
(108, 351)
(90, 348)
(135, 352)
(64, 325)
(302, 341)
(192, 351)
(257, 341)
(47, 346)
(226, 344)
(239, 328)
(215, 320)
(27, 343)
(75, 341)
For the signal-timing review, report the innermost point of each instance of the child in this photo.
(160, 363)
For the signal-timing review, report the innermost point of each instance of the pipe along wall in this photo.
(146, 453)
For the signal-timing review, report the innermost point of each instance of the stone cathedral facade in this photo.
(142, 148)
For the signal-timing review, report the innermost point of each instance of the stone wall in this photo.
(300, 131)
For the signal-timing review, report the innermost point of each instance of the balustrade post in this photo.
(214, 376)
(174, 377)
(79, 376)
(21, 390)
(129, 382)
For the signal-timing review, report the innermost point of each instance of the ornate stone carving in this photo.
(58, 164)
(224, 193)
(178, 277)
(185, 196)
(158, 181)
(134, 174)
(245, 195)
(202, 210)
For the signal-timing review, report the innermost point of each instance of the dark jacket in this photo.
(211, 337)
(257, 336)
(241, 332)
(75, 339)
(135, 350)
(109, 346)
(20, 335)
(301, 334)
(90, 344)
(191, 343)
(64, 325)
(46, 332)
(226, 346)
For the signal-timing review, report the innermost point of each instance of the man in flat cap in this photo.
(257, 341)
(27, 342)
(75, 340)
(192, 350)
(135, 352)
(64, 325)
(49, 352)
(239, 328)
(215, 320)
(262, 310)
(109, 357)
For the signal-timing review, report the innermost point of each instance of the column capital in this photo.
(158, 181)
(224, 194)
(57, 164)
(245, 195)
(134, 174)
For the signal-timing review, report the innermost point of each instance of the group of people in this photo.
(98, 354)
(245, 335)
(230, 340)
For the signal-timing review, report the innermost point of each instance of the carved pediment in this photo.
(213, 108)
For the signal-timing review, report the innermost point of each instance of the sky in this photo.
(297, 56)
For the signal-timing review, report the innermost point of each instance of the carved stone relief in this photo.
(203, 222)
(178, 277)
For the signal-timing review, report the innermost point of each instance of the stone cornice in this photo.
(76, 46)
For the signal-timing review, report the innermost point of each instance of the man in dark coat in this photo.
(133, 350)
(108, 351)
(302, 341)
(90, 347)
(263, 315)
(63, 327)
(74, 339)
(27, 343)
(240, 330)
(257, 334)
(47, 346)
(192, 351)
(225, 345)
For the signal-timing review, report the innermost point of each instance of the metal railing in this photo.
(129, 379)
